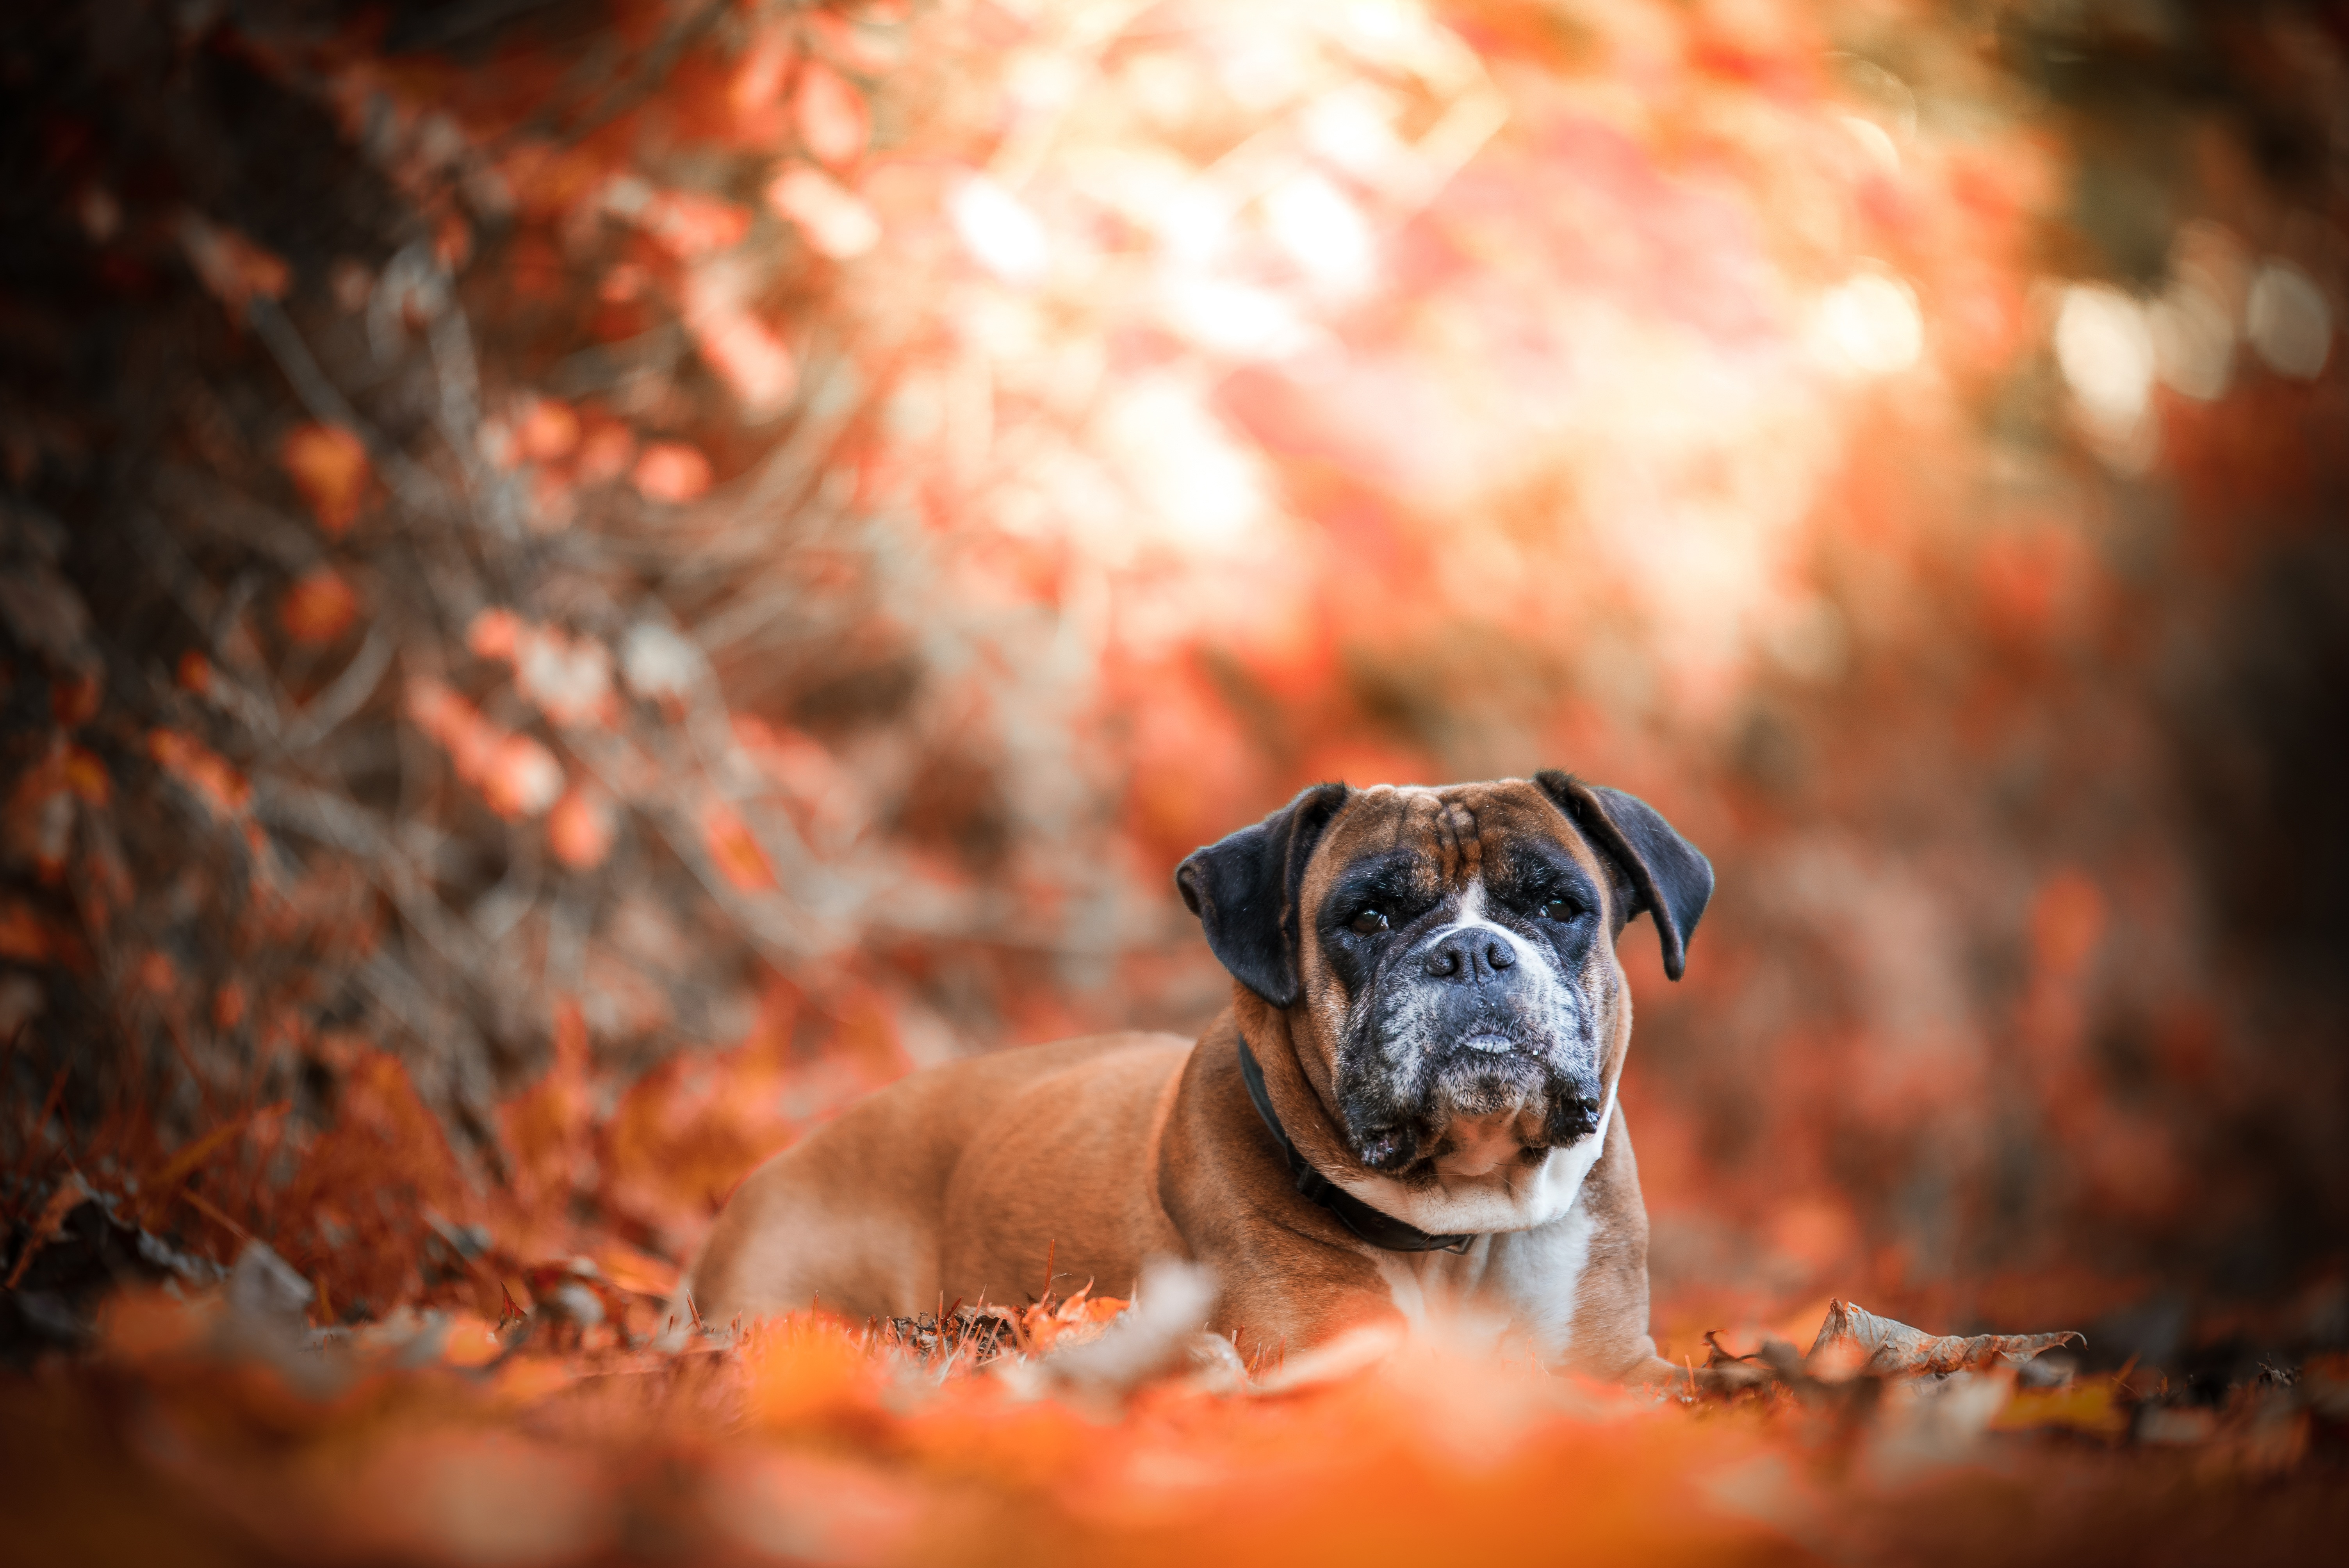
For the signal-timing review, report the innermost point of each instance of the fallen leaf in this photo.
(1854, 1340)
(631, 1270)
(2087, 1406)
(471, 1341)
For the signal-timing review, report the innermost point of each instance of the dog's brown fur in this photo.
(1104, 1154)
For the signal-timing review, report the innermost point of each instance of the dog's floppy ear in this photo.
(1245, 889)
(1670, 879)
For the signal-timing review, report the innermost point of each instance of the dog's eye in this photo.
(1560, 909)
(1369, 922)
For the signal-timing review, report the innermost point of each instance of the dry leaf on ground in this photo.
(1855, 1341)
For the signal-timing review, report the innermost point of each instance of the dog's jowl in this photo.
(1411, 1099)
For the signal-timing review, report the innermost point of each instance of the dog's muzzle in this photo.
(1502, 1060)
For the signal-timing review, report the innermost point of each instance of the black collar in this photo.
(1373, 1226)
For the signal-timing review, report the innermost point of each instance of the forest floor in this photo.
(179, 1391)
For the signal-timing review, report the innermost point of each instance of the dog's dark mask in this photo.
(1461, 949)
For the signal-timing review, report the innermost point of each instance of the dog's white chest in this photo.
(1538, 1274)
(1532, 1279)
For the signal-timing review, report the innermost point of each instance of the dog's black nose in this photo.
(1573, 1117)
(1472, 957)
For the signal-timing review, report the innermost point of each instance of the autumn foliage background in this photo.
(586, 582)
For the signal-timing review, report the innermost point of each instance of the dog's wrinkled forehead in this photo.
(1440, 842)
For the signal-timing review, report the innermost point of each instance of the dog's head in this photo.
(1446, 958)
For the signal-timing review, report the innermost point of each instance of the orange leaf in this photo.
(687, 223)
(672, 471)
(85, 776)
(522, 778)
(579, 829)
(328, 465)
(604, 454)
(24, 935)
(548, 431)
(747, 354)
(471, 740)
(204, 771)
(758, 79)
(634, 1271)
(74, 699)
(2085, 1406)
(494, 634)
(470, 1341)
(517, 776)
(806, 1369)
(545, 1128)
(319, 608)
(735, 849)
(830, 115)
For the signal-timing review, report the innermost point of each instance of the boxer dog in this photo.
(1412, 1101)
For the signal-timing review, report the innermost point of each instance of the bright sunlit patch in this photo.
(2106, 349)
(1322, 232)
(1870, 325)
(2197, 319)
(746, 352)
(1874, 141)
(1234, 319)
(2287, 321)
(836, 221)
(1180, 463)
(1000, 233)
(2193, 340)
(1354, 129)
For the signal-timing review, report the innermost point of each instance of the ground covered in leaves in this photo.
(514, 1407)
